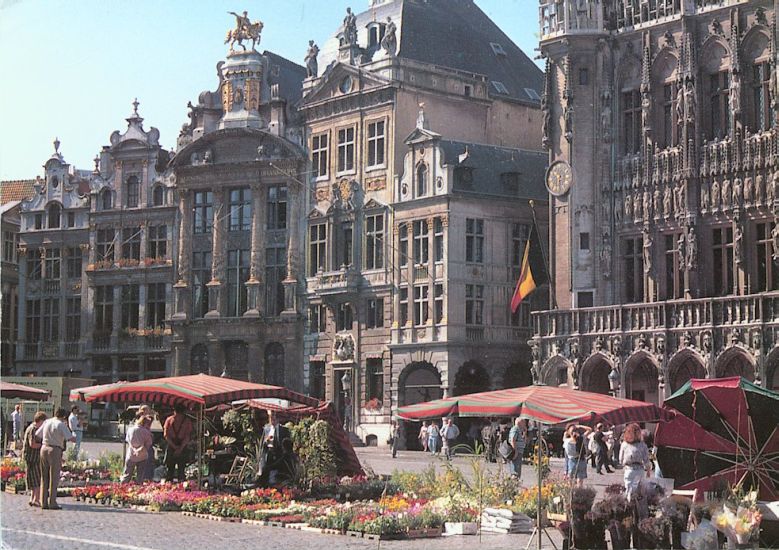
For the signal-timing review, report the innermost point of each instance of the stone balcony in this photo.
(50, 350)
(330, 283)
(125, 342)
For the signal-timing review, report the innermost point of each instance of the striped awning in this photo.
(192, 390)
(18, 391)
(544, 404)
(80, 394)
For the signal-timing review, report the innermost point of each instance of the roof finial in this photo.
(135, 107)
(57, 145)
(96, 160)
(421, 122)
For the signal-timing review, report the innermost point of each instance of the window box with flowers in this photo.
(103, 264)
(373, 406)
(158, 261)
(128, 262)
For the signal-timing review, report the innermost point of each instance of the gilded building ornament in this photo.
(244, 29)
(376, 184)
(251, 94)
(227, 96)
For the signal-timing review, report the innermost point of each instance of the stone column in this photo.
(255, 367)
(179, 366)
(215, 286)
(253, 285)
(92, 249)
(117, 317)
(144, 229)
(396, 281)
(216, 359)
(184, 260)
(293, 240)
(431, 274)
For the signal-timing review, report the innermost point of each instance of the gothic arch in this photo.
(714, 54)
(471, 377)
(555, 371)
(684, 365)
(629, 72)
(640, 377)
(771, 381)
(518, 375)
(665, 65)
(735, 361)
(418, 382)
(594, 374)
(198, 359)
(274, 364)
(756, 43)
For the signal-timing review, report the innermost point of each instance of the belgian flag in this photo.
(533, 273)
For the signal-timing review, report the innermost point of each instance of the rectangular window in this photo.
(203, 219)
(521, 317)
(133, 192)
(519, 236)
(439, 303)
(376, 143)
(240, 214)
(403, 246)
(375, 313)
(277, 207)
(631, 121)
(71, 219)
(201, 275)
(155, 305)
(237, 275)
(33, 321)
(421, 306)
(674, 268)
(584, 77)
(104, 309)
(438, 240)
(105, 245)
(131, 243)
(474, 240)
(319, 155)
(316, 379)
(374, 380)
(404, 306)
(584, 241)
(72, 319)
(317, 319)
(275, 273)
(9, 246)
(130, 306)
(346, 149)
(38, 221)
(633, 259)
(762, 117)
(474, 304)
(374, 241)
(722, 245)
(317, 249)
(50, 319)
(34, 266)
(767, 272)
(719, 93)
(52, 264)
(584, 299)
(157, 242)
(343, 317)
(346, 251)
(74, 262)
(421, 243)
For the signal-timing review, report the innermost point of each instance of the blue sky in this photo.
(71, 68)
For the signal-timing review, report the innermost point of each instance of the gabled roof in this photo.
(16, 190)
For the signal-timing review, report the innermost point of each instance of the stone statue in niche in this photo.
(628, 206)
(647, 251)
(637, 207)
(667, 202)
(390, 41)
(749, 189)
(547, 122)
(312, 65)
(738, 244)
(568, 119)
(646, 112)
(605, 255)
(715, 195)
(704, 196)
(759, 189)
(681, 248)
(692, 249)
(726, 196)
(775, 242)
(737, 192)
(734, 93)
(772, 189)
(679, 199)
(656, 206)
(647, 206)
(605, 115)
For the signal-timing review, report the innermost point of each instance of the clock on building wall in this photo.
(559, 177)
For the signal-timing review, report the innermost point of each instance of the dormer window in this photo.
(500, 87)
(158, 196)
(421, 180)
(463, 176)
(497, 49)
(106, 199)
(54, 216)
(510, 182)
(133, 189)
(532, 94)
(375, 34)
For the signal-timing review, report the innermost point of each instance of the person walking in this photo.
(634, 456)
(76, 428)
(150, 464)
(449, 434)
(53, 433)
(17, 420)
(394, 437)
(517, 440)
(31, 450)
(423, 435)
(601, 451)
(433, 438)
(575, 453)
(177, 432)
(139, 442)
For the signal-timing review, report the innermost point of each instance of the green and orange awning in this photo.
(544, 404)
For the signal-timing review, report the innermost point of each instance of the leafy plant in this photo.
(311, 442)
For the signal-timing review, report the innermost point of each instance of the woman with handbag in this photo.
(139, 442)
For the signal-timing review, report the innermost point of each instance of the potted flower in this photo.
(372, 405)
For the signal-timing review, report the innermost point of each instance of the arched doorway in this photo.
(274, 364)
(735, 362)
(684, 366)
(236, 360)
(471, 378)
(594, 375)
(555, 372)
(418, 382)
(198, 359)
(641, 379)
(517, 375)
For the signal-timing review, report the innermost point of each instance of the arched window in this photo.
(106, 199)
(421, 180)
(717, 85)
(54, 216)
(274, 364)
(757, 53)
(667, 95)
(158, 196)
(199, 359)
(133, 190)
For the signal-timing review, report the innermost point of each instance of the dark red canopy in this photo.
(18, 391)
(193, 390)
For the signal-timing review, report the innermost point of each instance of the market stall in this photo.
(18, 391)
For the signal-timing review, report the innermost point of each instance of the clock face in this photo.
(559, 178)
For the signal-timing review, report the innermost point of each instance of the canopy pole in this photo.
(540, 482)
(200, 447)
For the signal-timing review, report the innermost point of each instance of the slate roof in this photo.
(16, 190)
(490, 162)
(454, 34)
(289, 78)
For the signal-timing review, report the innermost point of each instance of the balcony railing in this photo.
(701, 313)
(335, 282)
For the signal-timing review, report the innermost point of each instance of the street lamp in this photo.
(346, 382)
(346, 385)
(614, 381)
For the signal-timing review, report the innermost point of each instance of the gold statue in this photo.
(244, 30)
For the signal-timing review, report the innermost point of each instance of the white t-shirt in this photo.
(53, 433)
(74, 424)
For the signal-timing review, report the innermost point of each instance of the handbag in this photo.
(505, 450)
(139, 454)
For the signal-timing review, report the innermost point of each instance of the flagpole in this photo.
(543, 254)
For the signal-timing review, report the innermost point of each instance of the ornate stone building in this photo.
(383, 203)
(238, 172)
(9, 281)
(660, 118)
